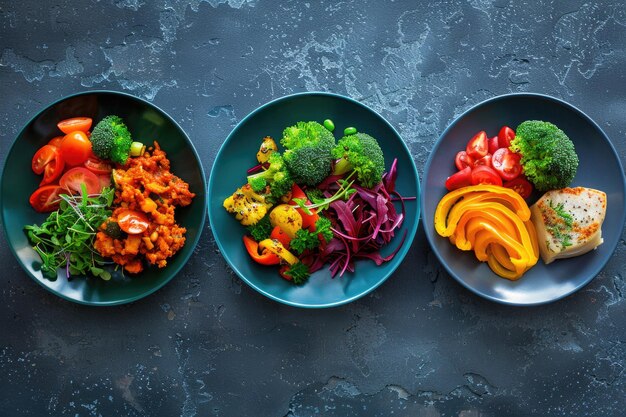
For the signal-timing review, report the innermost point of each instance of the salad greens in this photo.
(345, 190)
(66, 237)
(337, 202)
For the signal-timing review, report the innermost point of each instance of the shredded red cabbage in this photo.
(362, 225)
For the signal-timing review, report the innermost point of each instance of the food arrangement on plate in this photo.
(319, 201)
(486, 208)
(111, 201)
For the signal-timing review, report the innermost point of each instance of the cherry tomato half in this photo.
(82, 124)
(48, 161)
(505, 136)
(507, 163)
(132, 222)
(97, 166)
(72, 180)
(75, 148)
(46, 199)
(462, 178)
(42, 157)
(105, 181)
(463, 160)
(56, 141)
(493, 144)
(485, 175)
(478, 146)
(485, 160)
(520, 185)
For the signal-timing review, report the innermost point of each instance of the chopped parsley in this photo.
(560, 229)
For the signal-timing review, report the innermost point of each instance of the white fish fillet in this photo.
(568, 222)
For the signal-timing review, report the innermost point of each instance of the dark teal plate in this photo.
(238, 153)
(599, 168)
(147, 123)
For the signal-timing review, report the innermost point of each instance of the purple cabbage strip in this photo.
(363, 224)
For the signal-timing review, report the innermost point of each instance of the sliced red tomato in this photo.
(46, 199)
(98, 166)
(132, 222)
(105, 181)
(48, 161)
(308, 220)
(43, 156)
(56, 141)
(266, 258)
(507, 163)
(485, 175)
(520, 185)
(82, 124)
(72, 180)
(75, 148)
(463, 160)
(505, 136)
(477, 147)
(493, 145)
(485, 160)
(462, 178)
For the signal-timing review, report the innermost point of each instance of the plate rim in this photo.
(410, 233)
(430, 238)
(203, 212)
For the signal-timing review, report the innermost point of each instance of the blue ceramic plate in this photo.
(238, 153)
(599, 168)
(146, 123)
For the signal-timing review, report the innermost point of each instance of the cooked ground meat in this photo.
(146, 184)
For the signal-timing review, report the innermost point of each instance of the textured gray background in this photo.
(206, 344)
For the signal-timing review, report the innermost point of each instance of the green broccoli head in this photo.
(304, 134)
(276, 176)
(308, 156)
(362, 154)
(309, 165)
(548, 155)
(110, 139)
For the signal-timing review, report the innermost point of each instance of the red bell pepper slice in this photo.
(282, 237)
(266, 258)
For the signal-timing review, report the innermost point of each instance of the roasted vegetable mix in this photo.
(318, 202)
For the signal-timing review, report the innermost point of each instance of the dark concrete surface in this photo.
(206, 344)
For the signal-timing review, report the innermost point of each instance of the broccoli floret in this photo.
(262, 229)
(110, 139)
(258, 184)
(309, 165)
(362, 154)
(308, 155)
(548, 155)
(276, 176)
(307, 134)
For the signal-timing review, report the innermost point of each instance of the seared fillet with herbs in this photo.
(568, 222)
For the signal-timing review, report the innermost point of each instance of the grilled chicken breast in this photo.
(568, 222)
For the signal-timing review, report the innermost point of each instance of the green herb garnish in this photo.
(560, 230)
(345, 190)
(305, 239)
(298, 272)
(65, 238)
